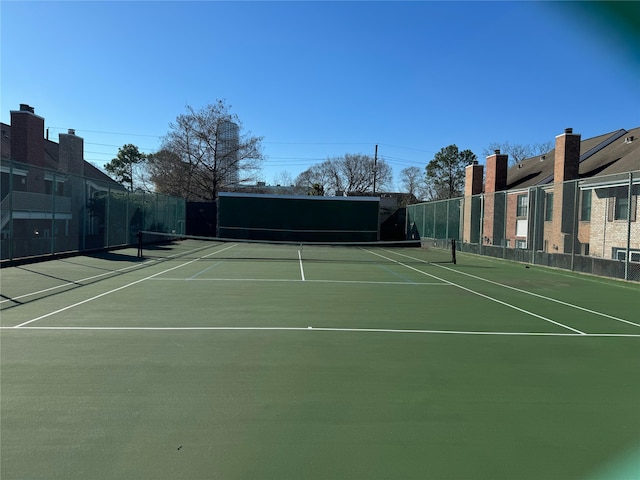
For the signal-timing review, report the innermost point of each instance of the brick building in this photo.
(581, 197)
(44, 188)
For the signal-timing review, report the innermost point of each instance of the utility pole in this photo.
(375, 169)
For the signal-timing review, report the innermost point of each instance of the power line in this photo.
(408, 148)
(265, 142)
(110, 133)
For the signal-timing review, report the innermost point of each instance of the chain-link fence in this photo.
(45, 212)
(588, 225)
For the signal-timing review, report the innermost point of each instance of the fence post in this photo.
(11, 239)
(628, 255)
(504, 223)
(107, 217)
(52, 242)
(574, 235)
(435, 210)
(481, 239)
(533, 211)
(461, 220)
(84, 214)
(446, 231)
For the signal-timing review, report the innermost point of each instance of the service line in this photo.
(95, 297)
(479, 294)
(595, 312)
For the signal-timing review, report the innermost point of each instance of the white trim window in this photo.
(522, 207)
(621, 254)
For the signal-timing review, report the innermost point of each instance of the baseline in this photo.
(332, 329)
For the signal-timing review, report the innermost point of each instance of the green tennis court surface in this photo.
(258, 361)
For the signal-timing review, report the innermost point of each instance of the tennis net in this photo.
(172, 246)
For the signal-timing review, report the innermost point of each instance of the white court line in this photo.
(333, 329)
(115, 290)
(480, 294)
(193, 277)
(93, 277)
(75, 282)
(301, 269)
(290, 280)
(524, 291)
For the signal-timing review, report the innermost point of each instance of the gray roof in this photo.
(606, 154)
(51, 157)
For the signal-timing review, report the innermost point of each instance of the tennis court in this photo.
(236, 360)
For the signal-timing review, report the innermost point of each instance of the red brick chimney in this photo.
(567, 159)
(496, 172)
(473, 179)
(472, 186)
(496, 181)
(71, 153)
(27, 136)
(565, 168)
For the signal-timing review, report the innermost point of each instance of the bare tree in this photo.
(412, 181)
(208, 153)
(170, 174)
(518, 152)
(542, 148)
(351, 174)
(283, 178)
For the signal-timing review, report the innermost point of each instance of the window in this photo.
(48, 187)
(585, 206)
(619, 208)
(621, 254)
(523, 206)
(521, 244)
(548, 207)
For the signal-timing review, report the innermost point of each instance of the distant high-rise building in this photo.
(227, 152)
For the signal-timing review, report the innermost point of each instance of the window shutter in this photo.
(633, 207)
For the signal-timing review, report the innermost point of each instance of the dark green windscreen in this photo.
(298, 218)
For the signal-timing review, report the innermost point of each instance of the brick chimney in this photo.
(472, 186)
(473, 179)
(567, 159)
(71, 153)
(494, 205)
(565, 168)
(27, 136)
(496, 172)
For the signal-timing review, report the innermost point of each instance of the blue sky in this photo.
(321, 79)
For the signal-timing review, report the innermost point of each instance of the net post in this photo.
(453, 250)
(139, 235)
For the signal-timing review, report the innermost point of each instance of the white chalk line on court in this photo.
(194, 277)
(295, 280)
(301, 268)
(75, 282)
(594, 312)
(95, 297)
(331, 329)
(479, 294)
